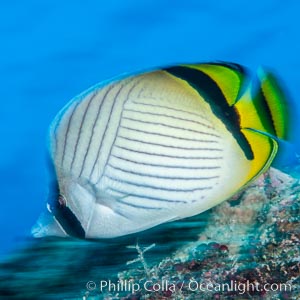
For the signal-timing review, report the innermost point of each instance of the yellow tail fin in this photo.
(263, 118)
(263, 107)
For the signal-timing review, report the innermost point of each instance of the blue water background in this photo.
(52, 50)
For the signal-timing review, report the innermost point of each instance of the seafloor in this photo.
(246, 248)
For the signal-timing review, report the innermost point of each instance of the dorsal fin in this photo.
(229, 77)
(213, 89)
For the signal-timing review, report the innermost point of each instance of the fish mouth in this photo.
(47, 225)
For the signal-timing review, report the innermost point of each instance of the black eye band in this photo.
(68, 221)
(59, 209)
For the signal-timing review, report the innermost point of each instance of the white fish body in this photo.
(139, 152)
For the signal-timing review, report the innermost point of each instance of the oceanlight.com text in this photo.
(108, 286)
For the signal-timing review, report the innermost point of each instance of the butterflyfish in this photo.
(132, 153)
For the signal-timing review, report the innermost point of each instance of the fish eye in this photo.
(56, 202)
(62, 201)
(65, 217)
